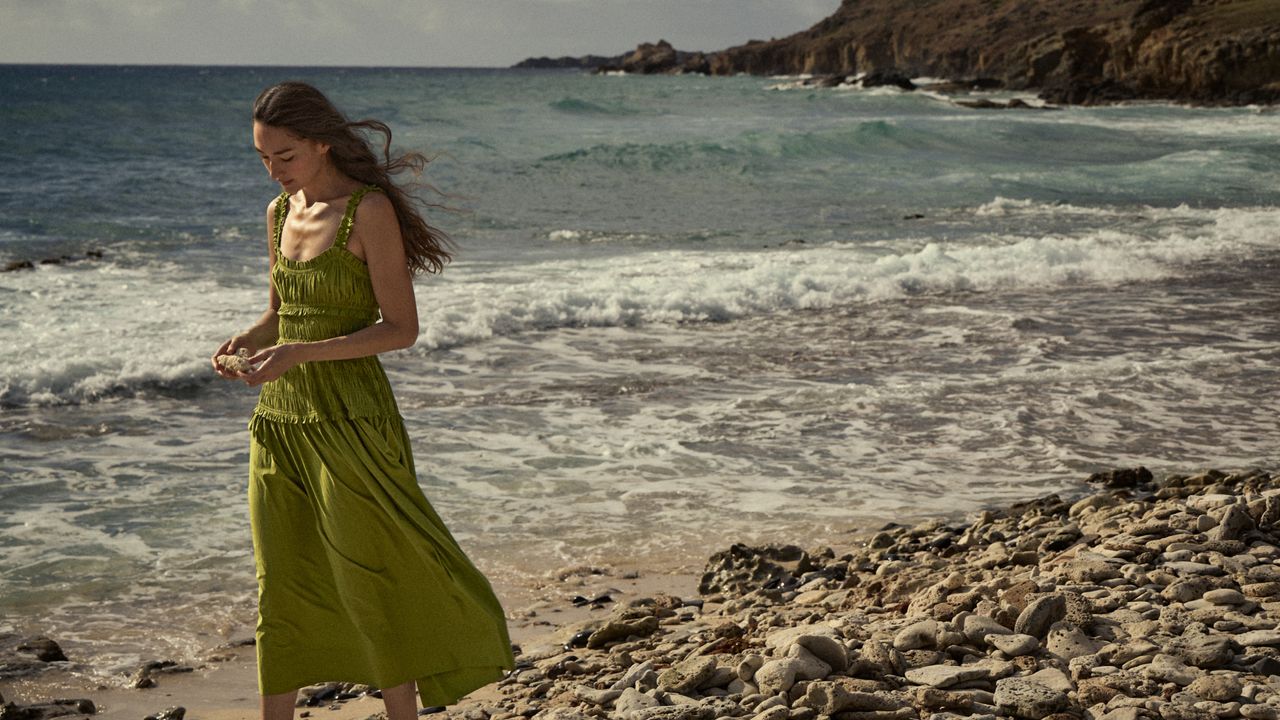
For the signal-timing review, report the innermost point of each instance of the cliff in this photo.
(1073, 51)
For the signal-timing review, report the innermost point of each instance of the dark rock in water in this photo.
(956, 86)
(1048, 506)
(742, 568)
(1013, 104)
(172, 713)
(43, 648)
(18, 265)
(895, 78)
(586, 62)
(1128, 478)
(658, 58)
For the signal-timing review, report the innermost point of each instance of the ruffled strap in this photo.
(282, 211)
(349, 217)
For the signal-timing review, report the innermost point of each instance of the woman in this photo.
(358, 579)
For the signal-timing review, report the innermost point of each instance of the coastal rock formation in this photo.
(586, 62)
(651, 58)
(1071, 51)
(1074, 51)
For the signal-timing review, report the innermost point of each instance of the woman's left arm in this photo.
(379, 238)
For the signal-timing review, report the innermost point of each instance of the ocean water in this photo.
(685, 311)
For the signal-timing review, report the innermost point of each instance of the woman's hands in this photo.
(267, 364)
(229, 348)
(273, 362)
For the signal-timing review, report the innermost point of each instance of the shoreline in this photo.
(1138, 599)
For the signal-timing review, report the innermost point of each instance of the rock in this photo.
(1040, 614)
(884, 659)
(893, 78)
(1067, 641)
(1186, 567)
(632, 700)
(1221, 688)
(1127, 478)
(915, 636)
(1225, 596)
(1187, 589)
(807, 665)
(674, 712)
(686, 676)
(172, 713)
(640, 675)
(743, 568)
(748, 666)
(1026, 699)
(830, 698)
(776, 676)
(777, 712)
(617, 630)
(1015, 645)
(1258, 638)
(1233, 523)
(1124, 713)
(827, 649)
(43, 648)
(980, 628)
(597, 697)
(1259, 712)
(1171, 669)
(1202, 651)
(944, 676)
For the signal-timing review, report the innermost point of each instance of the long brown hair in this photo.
(305, 112)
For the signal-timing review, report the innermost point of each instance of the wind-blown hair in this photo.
(305, 112)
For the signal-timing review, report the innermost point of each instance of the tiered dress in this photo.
(358, 578)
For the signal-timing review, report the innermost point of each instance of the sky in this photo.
(422, 33)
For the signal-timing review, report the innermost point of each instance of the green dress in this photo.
(358, 578)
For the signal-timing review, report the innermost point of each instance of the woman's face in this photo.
(290, 160)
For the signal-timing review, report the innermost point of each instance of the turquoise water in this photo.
(686, 311)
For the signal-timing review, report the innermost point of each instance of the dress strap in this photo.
(282, 211)
(344, 230)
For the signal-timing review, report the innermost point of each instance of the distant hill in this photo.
(1071, 51)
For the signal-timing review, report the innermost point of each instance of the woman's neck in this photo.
(329, 184)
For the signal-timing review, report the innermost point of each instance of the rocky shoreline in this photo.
(1078, 52)
(1141, 599)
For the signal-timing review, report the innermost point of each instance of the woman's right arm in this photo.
(266, 330)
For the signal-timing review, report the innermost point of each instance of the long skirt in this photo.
(358, 578)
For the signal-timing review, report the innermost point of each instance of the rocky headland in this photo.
(1213, 52)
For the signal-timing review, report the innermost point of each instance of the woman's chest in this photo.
(307, 235)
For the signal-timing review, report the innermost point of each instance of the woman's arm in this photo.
(378, 235)
(264, 332)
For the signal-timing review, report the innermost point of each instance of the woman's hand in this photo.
(229, 348)
(273, 362)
